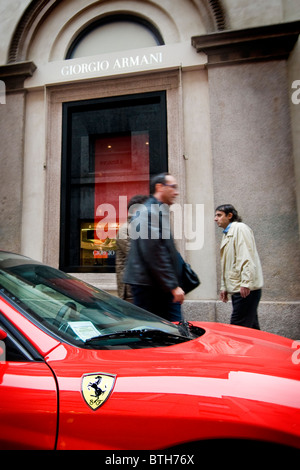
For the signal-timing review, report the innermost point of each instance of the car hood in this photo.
(223, 349)
(228, 375)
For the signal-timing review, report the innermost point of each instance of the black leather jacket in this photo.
(153, 259)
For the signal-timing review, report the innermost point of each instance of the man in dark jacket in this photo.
(153, 266)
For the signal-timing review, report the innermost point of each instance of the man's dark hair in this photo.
(229, 209)
(156, 179)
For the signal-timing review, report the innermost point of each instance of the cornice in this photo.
(14, 75)
(270, 42)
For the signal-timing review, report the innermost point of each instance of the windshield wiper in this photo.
(150, 334)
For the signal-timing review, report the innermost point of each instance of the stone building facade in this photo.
(206, 89)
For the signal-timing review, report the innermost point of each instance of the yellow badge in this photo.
(96, 388)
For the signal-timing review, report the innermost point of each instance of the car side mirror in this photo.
(3, 335)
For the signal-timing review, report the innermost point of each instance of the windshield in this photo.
(82, 314)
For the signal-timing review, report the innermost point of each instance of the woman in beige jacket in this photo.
(241, 268)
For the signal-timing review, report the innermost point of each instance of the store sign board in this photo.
(116, 64)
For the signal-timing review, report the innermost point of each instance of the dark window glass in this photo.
(111, 147)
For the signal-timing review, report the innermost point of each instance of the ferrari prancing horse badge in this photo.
(96, 388)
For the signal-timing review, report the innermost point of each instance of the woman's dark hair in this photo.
(137, 199)
(229, 209)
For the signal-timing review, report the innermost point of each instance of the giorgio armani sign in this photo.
(118, 63)
(135, 61)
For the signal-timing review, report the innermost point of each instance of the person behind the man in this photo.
(153, 266)
(241, 268)
(123, 245)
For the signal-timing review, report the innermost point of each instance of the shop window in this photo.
(113, 34)
(111, 147)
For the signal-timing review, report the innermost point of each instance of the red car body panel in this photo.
(231, 382)
(28, 406)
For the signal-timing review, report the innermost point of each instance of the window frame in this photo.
(115, 19)
(83, 105)
(16, 341)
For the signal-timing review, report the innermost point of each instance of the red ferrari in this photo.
(81, 369)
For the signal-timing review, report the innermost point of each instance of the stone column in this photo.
(12, 121)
